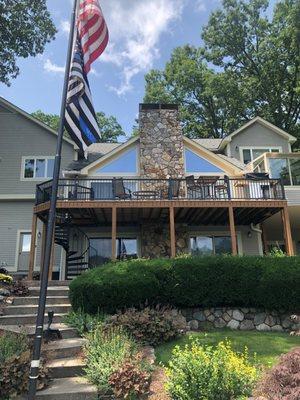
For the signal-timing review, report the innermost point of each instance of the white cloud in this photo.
(65, 26)
(49, 66)
(135, 30)
(201, 5)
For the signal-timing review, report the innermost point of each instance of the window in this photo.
(207, 245)
(26, 242)
(126, 163)
(286, 169)
(194, 163)
(251, 153)
(37, 167)
(100, 250)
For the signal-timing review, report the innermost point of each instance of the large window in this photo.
(196, 164)
(126, 163)
(37, 167)
(208, 245)
(100, 250)
(251, 153)
(287, 169)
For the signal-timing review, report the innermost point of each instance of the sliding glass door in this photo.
(100, 250)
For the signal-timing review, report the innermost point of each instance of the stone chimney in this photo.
(161, 141)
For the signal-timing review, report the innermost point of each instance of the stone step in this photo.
(66, 367)
(32, 309)
(64, 348)
(74, 388)
(51, 291)
(28, 319)
(66, 331)
(34, 300)
(50, 283)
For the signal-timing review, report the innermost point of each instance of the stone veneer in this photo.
(161, 142)
(238, 318)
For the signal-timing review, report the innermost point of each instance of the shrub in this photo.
(130, 381)
(267, 282)
(105, 352)
(283, 380)
(208, 373)
(6, 278)
(150, 325)
(12, 344)
(82, 321)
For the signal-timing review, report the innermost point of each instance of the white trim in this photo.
(17, 197)
(19, 232)
(251, 148)
(22, 177)
(18, 110)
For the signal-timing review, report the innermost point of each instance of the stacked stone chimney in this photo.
(161, 142)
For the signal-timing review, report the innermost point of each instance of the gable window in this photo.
(126, 163)
(37, 167)
(249, 154)
(197, 164)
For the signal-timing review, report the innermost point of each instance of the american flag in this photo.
(91, 39)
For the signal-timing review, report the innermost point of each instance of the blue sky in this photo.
(142, 36)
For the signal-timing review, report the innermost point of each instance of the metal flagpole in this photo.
(35, 363)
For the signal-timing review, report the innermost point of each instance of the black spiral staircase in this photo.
(76, 261)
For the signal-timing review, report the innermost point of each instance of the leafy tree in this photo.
(249, 66)
(110, 129)
(25, 28)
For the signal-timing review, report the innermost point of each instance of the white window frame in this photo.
(251, 148)
(35, 158)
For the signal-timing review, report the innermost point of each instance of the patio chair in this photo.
(194, 190)
(119, 190)
(174, 188)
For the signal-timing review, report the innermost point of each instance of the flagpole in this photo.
(35, 363)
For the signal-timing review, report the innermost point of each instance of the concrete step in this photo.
(34, 300)
(51, 291)
(28, 319)
(66, 367)
(66, 331)
(50, 283)
(64, 348)
(75, 388)
(32, 309)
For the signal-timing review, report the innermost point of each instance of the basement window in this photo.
(209, 245)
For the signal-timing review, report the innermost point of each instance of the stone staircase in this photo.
(63, 356)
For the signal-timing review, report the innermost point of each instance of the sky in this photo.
(143, 34)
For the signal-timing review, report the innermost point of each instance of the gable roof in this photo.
(210, 144)
(7, 104)
(263, 122)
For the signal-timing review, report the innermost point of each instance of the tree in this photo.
(254, 70)
(110, 129)
(25, 28)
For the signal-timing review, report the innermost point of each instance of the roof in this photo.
(25, 114)
(233, 161)
(263, 122)
(102, 148)
(210, 144)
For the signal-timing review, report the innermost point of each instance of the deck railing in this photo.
(203, 188)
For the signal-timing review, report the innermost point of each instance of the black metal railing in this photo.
(202, 188)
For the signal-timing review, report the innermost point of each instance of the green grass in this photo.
(268, 346)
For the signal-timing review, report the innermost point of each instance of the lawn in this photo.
(267, 345)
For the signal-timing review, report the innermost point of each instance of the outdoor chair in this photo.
(119, 190)
(194, 190)
(174, 188)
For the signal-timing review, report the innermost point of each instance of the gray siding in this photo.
(257, 135)
(21, 137)
(292, 195)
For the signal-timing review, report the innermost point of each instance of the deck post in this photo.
(172, 232)
(113, 233)
(264, 239)
(32, 247)
(287, 231)
(232, 231)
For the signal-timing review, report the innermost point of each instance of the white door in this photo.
(24, 251)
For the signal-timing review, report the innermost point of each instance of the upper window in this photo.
(37, 167)
(196, 164)
(251, 153)
(126, 163)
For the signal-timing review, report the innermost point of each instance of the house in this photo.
(160, 194)
(27, 150)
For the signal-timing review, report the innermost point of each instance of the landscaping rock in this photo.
(247, 325)
(226, 317)
(207, 312)
(238, 315)
(277, 328)
(219, 323)
(211, 318)
(286, 323)
(270, 320)
(260, 318)
(263, 327)
(2, 299)
(233, 324)
(199, 316)
(193, 325)
(4, 292)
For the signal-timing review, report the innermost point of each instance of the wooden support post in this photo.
(287, 231)
(264, 239)
(172, 232)
(32, 247)
(52, 259)
(232, 231)
(113, 233)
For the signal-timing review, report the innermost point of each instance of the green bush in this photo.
(12, 345)
(150, 325)
(82, 321)
(105, 352)
(208, 373)
(267, 282)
